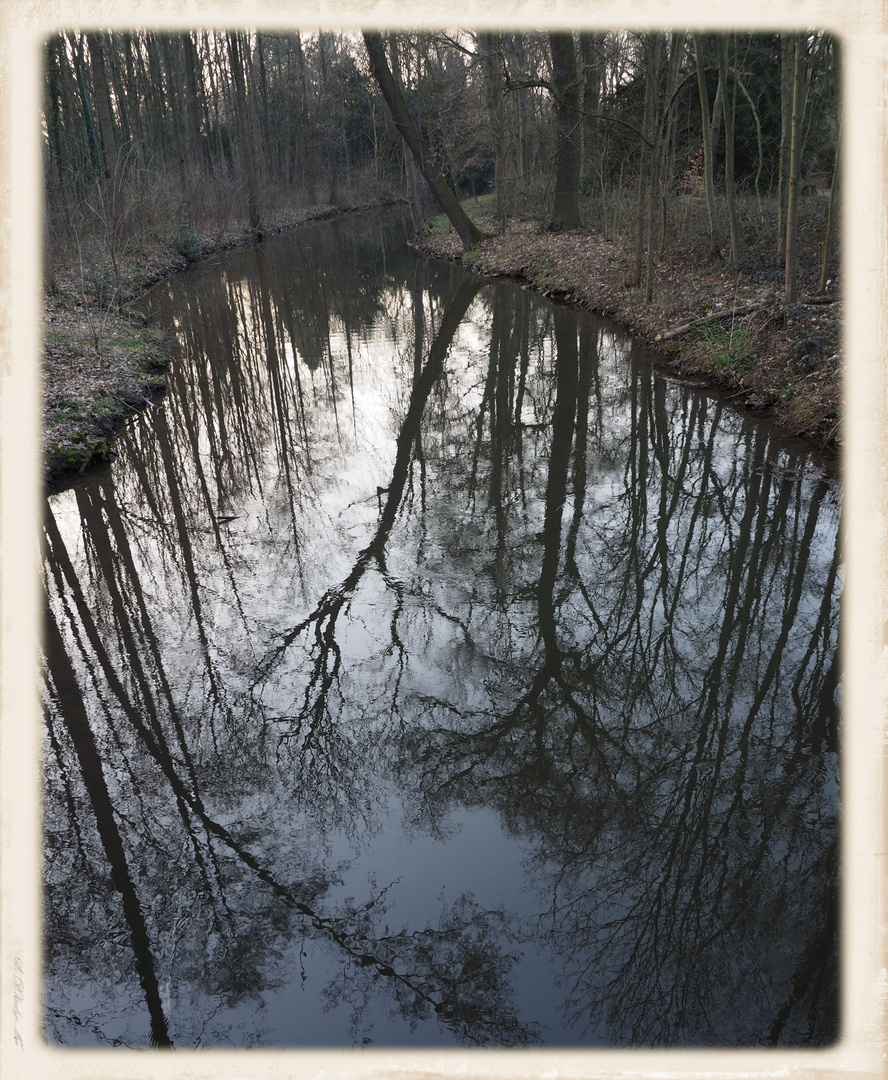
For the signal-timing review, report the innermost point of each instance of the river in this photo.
(428, 670)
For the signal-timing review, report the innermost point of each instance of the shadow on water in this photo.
(426, 671)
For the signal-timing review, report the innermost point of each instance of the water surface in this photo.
(428, 671)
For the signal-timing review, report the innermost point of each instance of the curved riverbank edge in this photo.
(102, 365)
(707, 325)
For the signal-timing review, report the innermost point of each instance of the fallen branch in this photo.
(719, 316)
(716, 316)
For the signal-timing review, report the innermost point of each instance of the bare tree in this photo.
(468, 233)
(790, 294)
(568, 130)
(706, 127)
(729, 110)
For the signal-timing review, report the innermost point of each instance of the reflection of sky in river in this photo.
(421, 871)
(363, 716)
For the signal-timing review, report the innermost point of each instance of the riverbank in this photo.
(708, 324)
(725, 329)
(101, 361)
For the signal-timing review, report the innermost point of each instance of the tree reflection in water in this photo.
(394, 553)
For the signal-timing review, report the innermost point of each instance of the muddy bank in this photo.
(101, 361)
(726, 329)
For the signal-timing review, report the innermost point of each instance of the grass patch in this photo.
(728, 349)
(788, 392)
(543, 274)
(188, 243)
(72, 410)
(486, 201)
(130, 340)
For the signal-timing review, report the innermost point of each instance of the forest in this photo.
(195, 129)
(687, 153)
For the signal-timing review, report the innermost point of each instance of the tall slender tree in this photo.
(795, 169)
(787, 64)
(650, 55)
(706, 126)
(492, 53)
(245, 150)
(722, 42)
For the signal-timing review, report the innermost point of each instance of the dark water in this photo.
(426, 671)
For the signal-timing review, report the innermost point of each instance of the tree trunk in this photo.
(491, 45)
(410, 173)
(795, 169)
(265, 153)
(245, 150)
(56, 171)
(830, 220)
(331, 166)
(729, 149)
(657, 130)
(568, 130)
(103, 106)
(706, 129)
(114, 74)
(214, 104)
(590, 57)
(89, 122)
(834, 186)
(306, 172)
(132, 97)
(668, 128)
(515, 58)
(647, 125)
(176, 121)
(156, 101)
(786, 75)
(193, 80)
(468, 233)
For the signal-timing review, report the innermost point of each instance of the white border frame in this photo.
(862, 1053)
